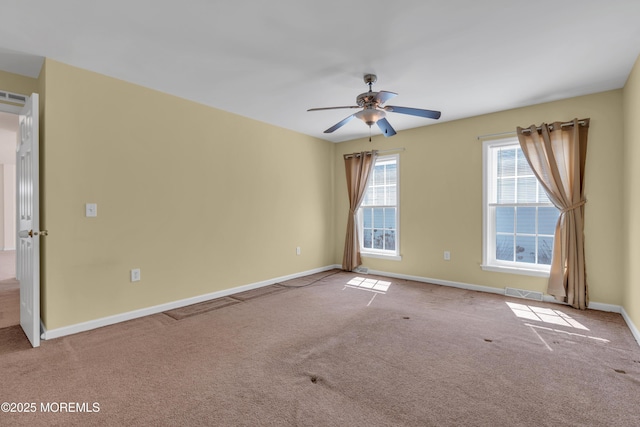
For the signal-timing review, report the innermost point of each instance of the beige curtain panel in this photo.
(358, 167)
(557, 155)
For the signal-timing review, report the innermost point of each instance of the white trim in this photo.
(634, 329)
(600, 306)
(381, 256)
(123, 317)
(515, 270)
(467, 286)
(485, 199)
(8, 108)
(500, 291)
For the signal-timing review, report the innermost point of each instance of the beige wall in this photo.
(631, 196)
(199, 199)
(441, 195)
(16, 83)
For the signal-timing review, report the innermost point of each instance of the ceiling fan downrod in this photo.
(370, 79)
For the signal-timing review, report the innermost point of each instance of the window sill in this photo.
(515, 270)
(381, 256)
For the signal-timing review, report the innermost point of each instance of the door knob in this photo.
(31, 233)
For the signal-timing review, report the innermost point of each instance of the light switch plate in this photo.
(91, 209)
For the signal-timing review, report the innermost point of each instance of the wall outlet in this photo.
(135, 275)
(298, 250)
(447, 256)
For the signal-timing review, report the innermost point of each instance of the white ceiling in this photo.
(272, 60)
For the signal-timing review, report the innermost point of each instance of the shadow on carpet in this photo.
(13, 339)
(206, 306)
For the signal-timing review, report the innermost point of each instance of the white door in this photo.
(28, 220)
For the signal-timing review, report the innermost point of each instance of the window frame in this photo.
(381, 253)
(489, 261)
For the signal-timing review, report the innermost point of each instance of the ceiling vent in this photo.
(14, 98)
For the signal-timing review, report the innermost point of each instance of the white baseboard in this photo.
(634, 329)
(467, 286)
(123, 317)
(605, 307)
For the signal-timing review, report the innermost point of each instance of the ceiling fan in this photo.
(373, 112)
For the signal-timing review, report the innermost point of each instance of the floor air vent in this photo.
(363, 270)
(521, 293)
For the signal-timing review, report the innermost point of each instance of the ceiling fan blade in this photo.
(385, 127)
(429, 114)
(339, 124)
(383, 96)
(332, 108)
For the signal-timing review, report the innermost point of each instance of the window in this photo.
(378, 213)
(519, 218)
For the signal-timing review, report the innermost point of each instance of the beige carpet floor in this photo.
(9, 303)
(9, 290)
(336, 351)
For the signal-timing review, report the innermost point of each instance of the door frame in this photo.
(8, 108)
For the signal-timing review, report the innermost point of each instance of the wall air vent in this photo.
(521, 293)
(13, 98)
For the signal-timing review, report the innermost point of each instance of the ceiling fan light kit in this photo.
(370, 115)
(373, 112)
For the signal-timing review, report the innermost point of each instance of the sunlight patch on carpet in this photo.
(546, 315)
(373, 285)
(566, 333)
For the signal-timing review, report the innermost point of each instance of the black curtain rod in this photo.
(513, 132)
(390, 150)
(580, 122)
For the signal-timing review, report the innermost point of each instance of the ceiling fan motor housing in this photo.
(367, 100)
